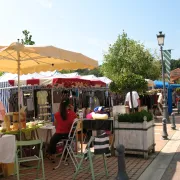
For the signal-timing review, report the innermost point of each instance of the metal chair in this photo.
(88, 155)
(38, 158)
(69, 145)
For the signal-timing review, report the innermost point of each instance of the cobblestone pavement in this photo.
(135, 164)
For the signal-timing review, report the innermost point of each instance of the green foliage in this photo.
(82, 72)
(178, 90)
(137, 117)
(128, 64)
(128, 82)
(27, 38)
(128, 55)
(175, 64)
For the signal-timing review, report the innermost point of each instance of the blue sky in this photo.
(89, 26)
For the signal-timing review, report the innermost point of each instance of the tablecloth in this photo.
(42, 132)
(7, 148)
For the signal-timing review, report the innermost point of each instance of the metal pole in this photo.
(19, 94)
(164, 121)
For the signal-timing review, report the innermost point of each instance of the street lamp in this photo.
(160, 38)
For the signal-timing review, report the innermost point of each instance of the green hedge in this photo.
(136, 117)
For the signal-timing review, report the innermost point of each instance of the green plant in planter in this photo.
(137, 117)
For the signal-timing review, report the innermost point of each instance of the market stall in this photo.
(85, 92)
(21, 59)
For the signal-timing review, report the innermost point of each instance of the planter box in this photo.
(136, 137)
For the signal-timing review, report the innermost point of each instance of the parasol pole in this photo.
(18, 68)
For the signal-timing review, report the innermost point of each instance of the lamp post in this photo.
(160, 38)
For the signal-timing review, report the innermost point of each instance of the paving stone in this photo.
(135, 165)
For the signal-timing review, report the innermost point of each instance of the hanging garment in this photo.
(57, 96)
(13, 102)
(30, 105)
(42, 97)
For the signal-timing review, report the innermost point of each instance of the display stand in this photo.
(44, 112)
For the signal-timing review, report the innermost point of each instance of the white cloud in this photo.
(45, 3)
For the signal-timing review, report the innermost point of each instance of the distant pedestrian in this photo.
(135, 101)
(160, 101)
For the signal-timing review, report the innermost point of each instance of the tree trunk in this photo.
(132, 106)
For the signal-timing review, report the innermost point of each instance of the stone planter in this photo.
(137, 138)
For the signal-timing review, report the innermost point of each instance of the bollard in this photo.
(122, 175)
(173, 124)
(164, 133)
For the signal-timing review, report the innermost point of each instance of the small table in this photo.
(45, 134)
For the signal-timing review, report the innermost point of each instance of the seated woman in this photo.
(63, 122)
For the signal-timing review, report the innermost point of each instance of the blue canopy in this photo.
(173, 86)
(159, 84)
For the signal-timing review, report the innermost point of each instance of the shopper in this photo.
(2, 112)
(63, 122)
(160, 101)
(135, 101)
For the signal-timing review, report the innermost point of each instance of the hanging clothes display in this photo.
(101, 97)
(42, 101)
(13, 102)
(42, 97)
(57, 96)
(148, 100)
(28, 101)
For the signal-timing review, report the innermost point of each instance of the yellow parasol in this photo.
(21, 59)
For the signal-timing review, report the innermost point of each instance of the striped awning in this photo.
(59, 82)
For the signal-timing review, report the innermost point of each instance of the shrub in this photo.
(137, 117)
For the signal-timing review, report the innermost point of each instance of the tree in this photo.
(129, 82)
(127, 64)
(27, 38)
(175, 64)
(129, 55)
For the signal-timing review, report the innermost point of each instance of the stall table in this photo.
(96, 125)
